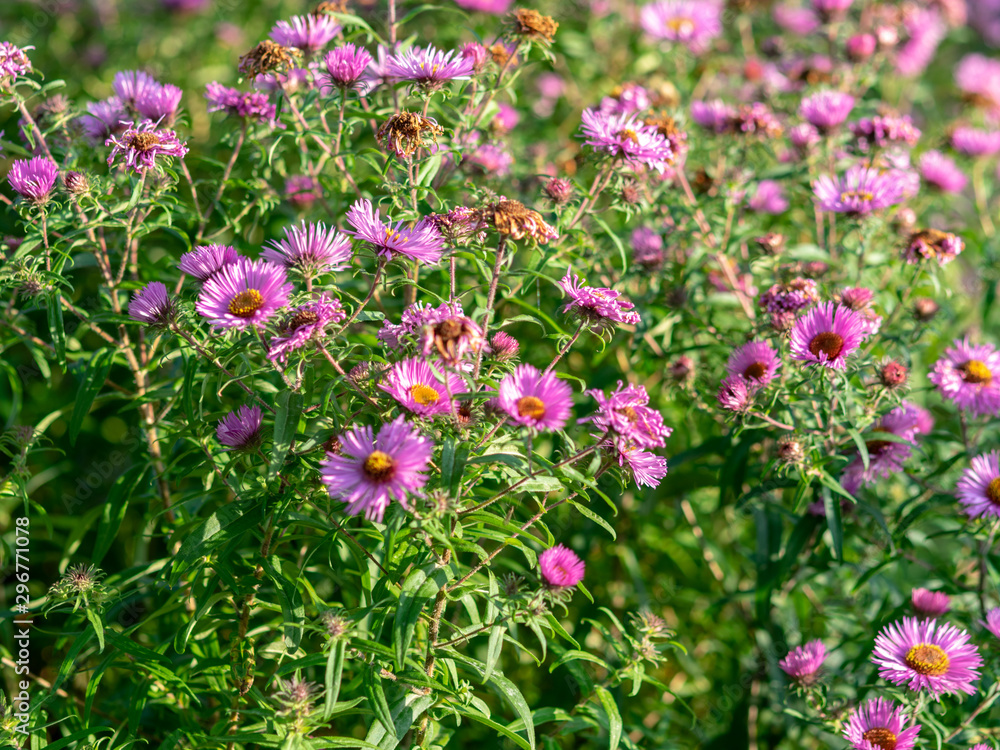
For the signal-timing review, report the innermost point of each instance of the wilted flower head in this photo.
(142, 145)
(532, 26)
(303, 324)
(404, 132)
(33, 179)
(892, 374)
(929, 603)
(885, 130)
(804, 662)
(430, 67)
(309, 33)
(560, 567)
(599, 306)
(790, 297)
(265, 57)
(693, 24)
(933, 244)
(13, 61)
(513, 219)
(152, 305)
(790, 450)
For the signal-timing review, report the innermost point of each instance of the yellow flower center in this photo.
(865, 195)
(529, 406)
(993, 491)
(881, 738)
(629, 413)
(681, 25)
(927, 659)
(976, 372)
(628, 135)
(424, 394)
(246, 303)
(379, 466)
(828, 342)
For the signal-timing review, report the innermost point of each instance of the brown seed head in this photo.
(405, 132)
(265, 57)
(530, 24)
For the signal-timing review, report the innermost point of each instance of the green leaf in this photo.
(95, 620)
(406, 708)
(476, 716)
(862, 446)
(614, 718)
(417, 592)
(334, 673)
(93, 381)
(56, 328)
(576, 655)
(286, 424)
(113, 511)
(293, 612)
(833, 522)
(584, 510)
(378, 704)
(227, 523)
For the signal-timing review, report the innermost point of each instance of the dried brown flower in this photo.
(405, 132)
(267, 56)
(514, 219)
(532, 25)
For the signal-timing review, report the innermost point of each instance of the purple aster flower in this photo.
(142, 145)
(859, 191)
(880, 724)
(860, 47)
(308, 33)
(993, 622)
(790, 297)
(240, 429)
(560, 567)
(795, 19)
(928, 603)
(160, 104)
(886, 457)
(884, 130)
(830, 9)
(377, 74)
(757, 118)
(979, 488)
(33, 179)
(941, 172)
(926, 30)
(693, 24)
(827, 335)
(105, 118)
(254, 105)
(13, 60)
(736, 393)
(205, 260)
(600, 306)
(647, 247)
(756, 362)
(244, 293)
(504, 347)
(429, 67)
(536, 400)
(978, 77)
(626, 137)
(310, 249)
(803, 136)
(826, 109)
(625, 100)
(445, 330)
(371, 471)
(926, 656)
(768, 198)
(975, 142)
(302, 191)
(803, 663)
(496, 7)
(421, 390)
(715, 115)
(421, 242)
(647, 468)
(626, 414)
(152, 305)
(933, 244)
(305, 323)
(130, 86)
(969, 376)
(344, 66)
(490, 159)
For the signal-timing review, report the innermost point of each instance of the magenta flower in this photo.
(161, 103)
(421, 242)
(880, 724)
(305, 323)
(421, 390)
(253, 105)
(647, 468)
(242, 294)
(940, 171)
(796, 19)
(926, 656)
(626, 414)
(926, 29)
(693, 24)
(768, 198)
(929, 603)
(536, 400)
(790, 297)
(560, 567)
(104, 119)
(310, 249)
(715, 115)
(756, 362)
(993, 621)
(131, 86)
(599, 306)
(142, 145)
(647, 247)
(628, 98)
(152, 305)
(735, 394)
(33, 179)
(344, 66)
(476, 53)
(503, 347)
(827, 335)
(206, 260)
(13, 60)
(803, 663)
(803, 136)
(496, 7)
(861, 46)
(371, 471)
(979, 488)
(308, 33)
(969, 376)
(884, 130)
(975, 142)
(886, 457)
(826, 109)
(859, 191)
(829, 9)
(933, 244)
(240, 429)
(302, 191)
(978, 77)
(430, 67)
(491, 159)
(625, 137)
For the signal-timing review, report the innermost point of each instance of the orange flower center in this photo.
(881, 738)
(993, 491)
(976, 372)
(828, 342)
(379, 466)
(246, 303)
(927, 659)
(424, 394)
(681, 25)
(864, 195)
(529, 406)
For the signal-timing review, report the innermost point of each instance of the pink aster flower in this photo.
(422, 390)
(884, 130)
(941, 172)
(768, 198)
(309, 33)
(496, 7)
(715, 115)
(858, 192)
(830, 9)
(536, 400)
(13, 60)
(33, 179)
(152, 305)
(161, 103)
(880, 724)
(993, 621)
(795, 19)
(560, 567)
(924, 655)
(975, 142)
(344, 66)
(626, 414)
(647, 247)
(803, 136)
(926, 29)
(104, 119)
(647, 468)
(886, 457)
(736, 394)
(693, 24)
(827, 335)
(803, 663)
(206, 260)
(310, 249)
(142, 145)
(253, 105)
(421, 242)
(790, 297)
(242, 294)
(305, 323)
(625, 137)
(490, 159)
(979, 488)
(600, 306)
(969, 376)
(240, 429)
(826, 109)
(302, 191)
(756, 362)
(628, 98)
(928, 603)
(978, 77)
(933, 244)
(371, 471)
(430, 67)
(131, 86)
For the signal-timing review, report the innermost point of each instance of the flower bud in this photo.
(76, 183)
(504, 346)
(771, 243)
(924, 309)
(681, 368)
(790, 450)
(861, 46)
(892, 374)
(558, 190)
